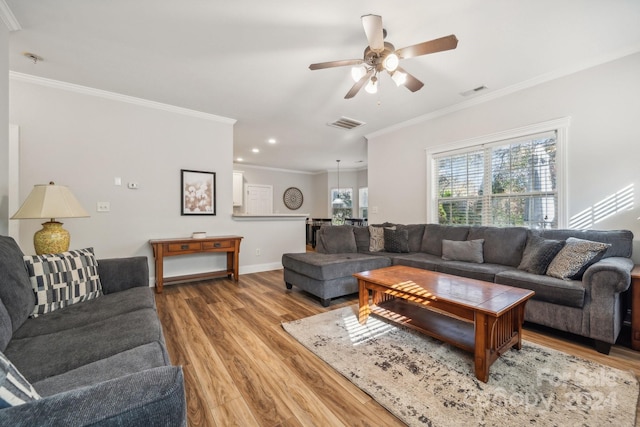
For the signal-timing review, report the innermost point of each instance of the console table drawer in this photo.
(217, 245)
(180, 247)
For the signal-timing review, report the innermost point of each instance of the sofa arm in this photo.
(609, 275)
(152, 397)
(119, 274)
(605, 280)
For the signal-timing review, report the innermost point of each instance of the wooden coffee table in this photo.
(480, 317)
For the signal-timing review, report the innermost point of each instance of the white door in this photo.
(259, 199)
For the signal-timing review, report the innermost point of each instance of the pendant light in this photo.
(338, 200)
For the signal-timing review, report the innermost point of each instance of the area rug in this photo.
(425, 382)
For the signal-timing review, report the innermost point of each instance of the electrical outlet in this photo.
(103, 206)
(257, 252)
(132, 185)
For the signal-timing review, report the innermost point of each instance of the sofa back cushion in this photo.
(502, 245)
(336, 239)
(415, 232)
(621, 241)
(15, 288)
(434, 234)
(361, 235)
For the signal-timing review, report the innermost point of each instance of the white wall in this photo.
(84, 141)
(4, 129)
(603, 151)
(280, 180)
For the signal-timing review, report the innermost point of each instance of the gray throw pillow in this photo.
(539, 253)
(466, 250)
(396, 240)
(575, 257)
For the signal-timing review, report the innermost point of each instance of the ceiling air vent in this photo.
(346, 123)
(474, 90)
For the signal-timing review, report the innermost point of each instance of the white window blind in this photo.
(502, 183)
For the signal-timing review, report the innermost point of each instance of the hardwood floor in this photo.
(241, 368)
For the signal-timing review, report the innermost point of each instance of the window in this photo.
(363, 202)
(500, 182)
(340, 211)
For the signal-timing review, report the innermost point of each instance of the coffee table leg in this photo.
(363, 302)
(483, 327)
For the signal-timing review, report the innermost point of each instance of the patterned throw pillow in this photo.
(14, 389)
(396, 240)
(59, 280)
(575, 257)
(376, 239)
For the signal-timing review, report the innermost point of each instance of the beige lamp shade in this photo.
(50, 201)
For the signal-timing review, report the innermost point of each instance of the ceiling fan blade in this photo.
(411, 83)
(359, 84)
(373, 29)
(331, 64)
(432, 46)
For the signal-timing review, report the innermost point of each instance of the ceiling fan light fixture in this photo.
(357, 73)
(391, 62)
(372, 86)
(399, 78)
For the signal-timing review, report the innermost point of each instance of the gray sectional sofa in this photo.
(100, 362)
(587, 303)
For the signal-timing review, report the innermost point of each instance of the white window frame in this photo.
(560, 126)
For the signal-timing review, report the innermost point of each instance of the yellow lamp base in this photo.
(52, 239)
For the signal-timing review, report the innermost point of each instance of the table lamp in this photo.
(50, 201)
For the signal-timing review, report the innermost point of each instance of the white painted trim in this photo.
(499, 93)
(56, 84)
(244, 165)
(14, 180)
(258, 268)
(8, 17)
(561, 125)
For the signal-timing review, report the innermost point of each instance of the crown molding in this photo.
(8, 17)
(242, 165)
(499, 93)
(56, 84)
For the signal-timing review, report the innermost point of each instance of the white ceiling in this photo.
(248, 59)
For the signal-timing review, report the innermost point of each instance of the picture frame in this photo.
(197, 192)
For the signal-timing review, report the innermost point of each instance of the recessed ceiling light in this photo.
(271, 140)
(239, 159)
(255, 150)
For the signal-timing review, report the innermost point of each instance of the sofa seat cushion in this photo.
(92, 311)
(332, 266)
(486, 272)
(42, 356)
(147, 356)
(569, 293)
(418, 260)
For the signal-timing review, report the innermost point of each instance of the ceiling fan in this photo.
(383, 56)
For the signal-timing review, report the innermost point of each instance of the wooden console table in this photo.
(187, 246)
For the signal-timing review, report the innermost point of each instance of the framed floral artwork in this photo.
(198, 192)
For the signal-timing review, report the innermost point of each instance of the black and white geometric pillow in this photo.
(59, 280)
(14, 388)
